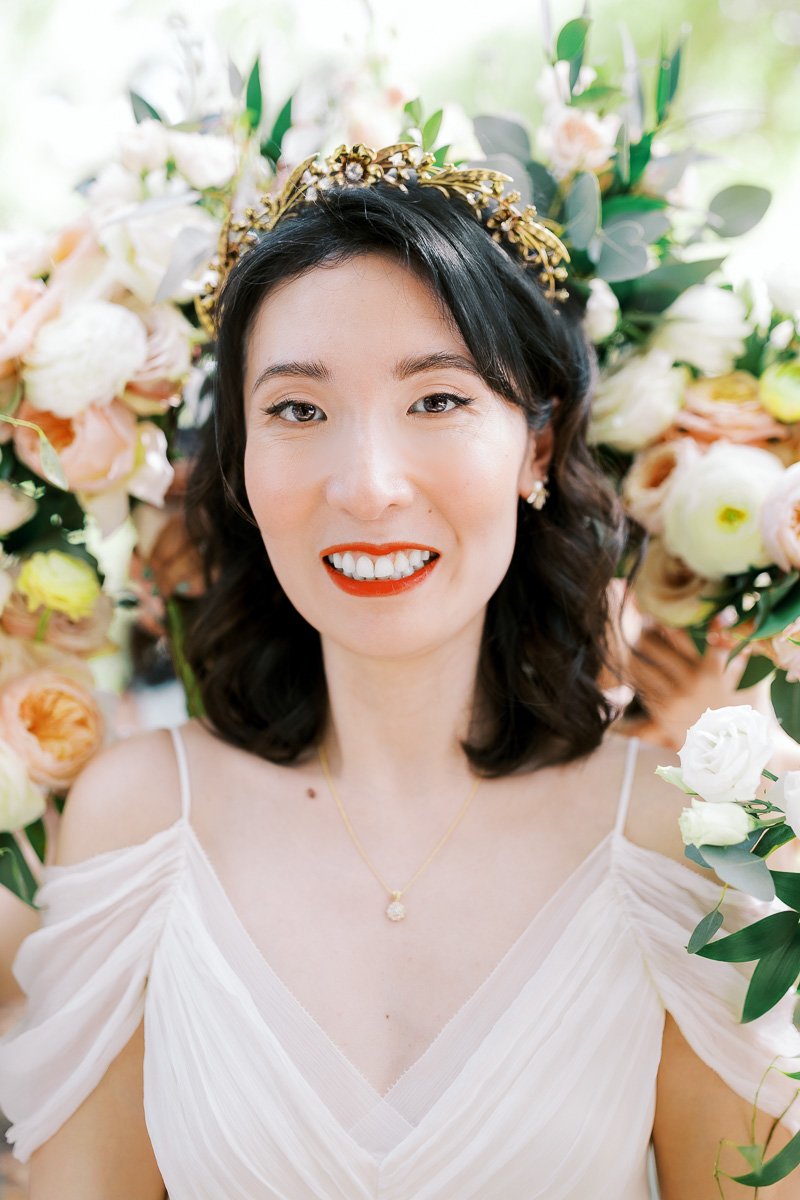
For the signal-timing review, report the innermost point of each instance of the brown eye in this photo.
(298, 412)
(440, 402)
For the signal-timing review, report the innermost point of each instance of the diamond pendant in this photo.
(396, 910)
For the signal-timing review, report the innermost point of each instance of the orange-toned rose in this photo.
(648, 481)
(97, 447)
(54, 725)
(20, 656)
(84, 636)
(728, 406)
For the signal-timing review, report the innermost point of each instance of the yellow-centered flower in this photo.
(51, 579)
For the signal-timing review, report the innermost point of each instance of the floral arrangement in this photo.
(732, 826)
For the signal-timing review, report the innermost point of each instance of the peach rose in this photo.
(780, 520)
(20, 656)
(18, 295)
(785, 652)
(97, 447)
(85, 636)
(728, 406)
(576, 139)
(54, 725)
(157, 385)
(670, 591)
(648, 481)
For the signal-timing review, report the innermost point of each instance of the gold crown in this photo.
(401, 164)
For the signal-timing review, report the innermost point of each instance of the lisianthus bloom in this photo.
(54, 725)
(52, 579)
(713, 510)
(725, 753)
(142, 245)
(646, 486)
(637, 402)
(206, 160)
(715, 824)
(780, 520)
(670, 591)
(21, 802)
(779, 389)
(705, 327)
(728, 407)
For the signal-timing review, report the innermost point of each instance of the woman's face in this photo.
(382, 471)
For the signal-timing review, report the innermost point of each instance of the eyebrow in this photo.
(404, 369)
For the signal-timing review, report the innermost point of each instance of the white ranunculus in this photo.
(791, 800)
(602, 311)
(725, 752)
(16, 507)
(712, 512)
(705, 327)
(144, 147)
(21, 802)
(84, 356)
(715, 824)
(206, 160)
(637, 402)
(141, 247)
(577, 139)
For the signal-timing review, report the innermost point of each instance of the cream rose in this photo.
(670, 591)
(51, 579)
(53, 723)
(602, 311)
(780, 520)
(705, 327)
(790, 802)
(576, 139)
(637, 402)
(145, 147)
(204, 159)
(141, 246)
(725, 753)
(779, 389)
(715, 824)
(21, 802)
(646, 486)
(713, 509)
(784, 650)
(83, 357)
(16, 507)
(156, 386)
(728, 407)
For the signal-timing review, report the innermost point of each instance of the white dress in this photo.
(541, 1086)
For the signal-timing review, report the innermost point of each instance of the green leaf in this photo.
(753, 1156)
(571, 41)
(143, 110)
(741, 869)
(778, 615)
(773, 977)
(253, 96)
(737, 209)
(596, 96)
(440, 157)
(413, 111)
(623, 254)
(498, 135)
(582, 210)
(667, 81)
(622, 160)
(639, 157)
(756, 940)
(787, 886)
(758, 668)
(37, 837)
(15, 874)
(704, 931)
(785, 698)
(545, 186)
(271, 148)
(775, 1168)
(656, 290)
(695, 856)
(772, 839)
(430, 130)
(631, 206)
(194, 700)
(51, 463)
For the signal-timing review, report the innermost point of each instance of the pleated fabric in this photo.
(541, 1086)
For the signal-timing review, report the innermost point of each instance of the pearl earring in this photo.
(538, 496)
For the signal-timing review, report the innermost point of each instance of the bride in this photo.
(398, 917)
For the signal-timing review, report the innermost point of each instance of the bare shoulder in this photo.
(126, 794)
(655, 806)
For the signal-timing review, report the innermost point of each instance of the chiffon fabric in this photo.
(541, 1086)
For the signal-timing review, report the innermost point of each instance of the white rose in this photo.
(706, 328)
(602, 311)
(725, 752)
(84, 356)
(21, 802)
(113, 189)
(576, 139)
(712, 511)
(791, 800)
(637, 402)
(16, 507)
(144, 147)
(715, 824)
(141, 247)
(206, 160)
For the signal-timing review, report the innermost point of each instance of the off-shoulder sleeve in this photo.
(663, 902)
(84, 973)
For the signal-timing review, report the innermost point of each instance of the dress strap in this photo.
(627, 785)
(183, 772)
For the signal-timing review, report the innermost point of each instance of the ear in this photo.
(537, 459)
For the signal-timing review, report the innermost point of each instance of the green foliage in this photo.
(774, 975)
(758, 668)
(704, 931)
(143, 109)
(15, 874)
(762, 937)
(254, 98)
(499, 135)
(271, 147)
(667, 79)
(775, 1169)
(785, 698)
(741, 869)
(737, 209)
(571, 41)
(582, 210)
(430, 130)
(37, 838)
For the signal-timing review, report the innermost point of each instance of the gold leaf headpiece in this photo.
(399, 165)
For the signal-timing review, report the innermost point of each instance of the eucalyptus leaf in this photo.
(704, 931)
(785, 698)
(143, 109)
(253, 96)
(737, 209)
(692, 853)
(582, 210)
(775, 974)
(775, 1168)
(623, 254)
(656, 290)
(545, 186)
(760, 938)
(758, 668)
(741, 870)
(499, 135)
(508, 165)
(571, 41)
(15, 874)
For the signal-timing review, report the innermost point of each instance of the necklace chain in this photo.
(396, 910)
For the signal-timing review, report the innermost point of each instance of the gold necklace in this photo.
(396, 910)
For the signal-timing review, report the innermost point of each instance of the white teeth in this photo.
(384, 567)
(365, 568)
(401, 564)
(337, 561)
(415, 558)
(348, 564)
(426, 555)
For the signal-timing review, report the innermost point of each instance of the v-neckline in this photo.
(472, 999)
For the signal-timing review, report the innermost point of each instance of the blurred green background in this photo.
(65, 66)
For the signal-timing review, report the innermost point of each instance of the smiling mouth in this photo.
(362, 570)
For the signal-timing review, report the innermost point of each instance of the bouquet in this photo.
(732, 827)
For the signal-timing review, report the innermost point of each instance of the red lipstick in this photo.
(377, 587)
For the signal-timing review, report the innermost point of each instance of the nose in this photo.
(368, 475)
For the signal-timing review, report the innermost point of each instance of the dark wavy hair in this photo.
(257, 662)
